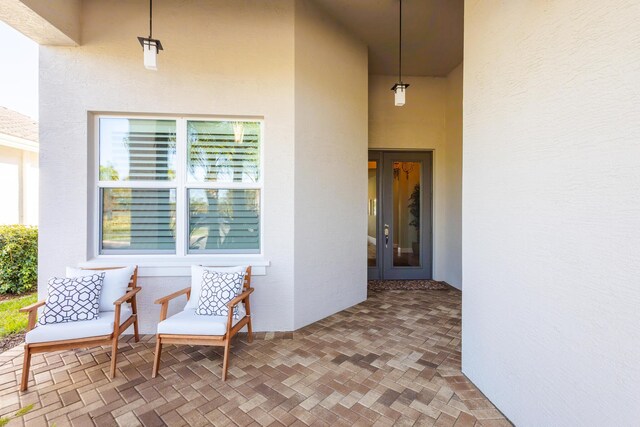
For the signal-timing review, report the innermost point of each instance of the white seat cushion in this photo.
(103, 325)
(187, 322)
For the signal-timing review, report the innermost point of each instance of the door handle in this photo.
(386, 235)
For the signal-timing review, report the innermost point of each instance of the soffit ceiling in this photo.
(432, 33)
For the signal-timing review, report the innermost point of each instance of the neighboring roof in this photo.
(18, 125)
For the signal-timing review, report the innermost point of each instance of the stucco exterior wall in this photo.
(551, 209)
(427, 122)
(224, 58)
(450, 255)
(253, 58)
(330, 167)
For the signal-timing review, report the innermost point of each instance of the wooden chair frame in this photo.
(210, 340)
(118, 329)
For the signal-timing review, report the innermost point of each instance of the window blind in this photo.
(222, 219)
(137, 149)
(138, 219)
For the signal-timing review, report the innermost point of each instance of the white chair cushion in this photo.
(103, 325)
(187, 322)
(197, 271)
(114, 286)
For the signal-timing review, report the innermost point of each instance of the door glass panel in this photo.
(372, 217)
(406, 214)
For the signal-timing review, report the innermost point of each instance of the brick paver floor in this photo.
(392, 360)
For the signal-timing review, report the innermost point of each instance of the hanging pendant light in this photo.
(400, 88)
(150, 46)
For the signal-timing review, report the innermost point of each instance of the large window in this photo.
(179, 186)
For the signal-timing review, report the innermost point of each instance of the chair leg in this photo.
(136, 335)
(225, 361)
(25, 368)
(249, 332)
(114, 356)
(156, 360)
(247, 307)
(134, 308)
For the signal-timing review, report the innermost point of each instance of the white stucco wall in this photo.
(330, 167)
(450, 255)
(221, 58)
(551, 210)
(251, 58)
(427, 122)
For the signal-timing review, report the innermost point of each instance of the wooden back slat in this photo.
(247, 279)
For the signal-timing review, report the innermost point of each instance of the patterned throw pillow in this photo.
(217, 290)
(72, 299)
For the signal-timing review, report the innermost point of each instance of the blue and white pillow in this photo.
(72, 299)
(218, 289)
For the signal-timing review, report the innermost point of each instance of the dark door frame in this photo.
(384, 268)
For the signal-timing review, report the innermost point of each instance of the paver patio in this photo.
(392, 360)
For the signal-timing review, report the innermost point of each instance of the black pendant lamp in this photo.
(150, 46)
(400, 88)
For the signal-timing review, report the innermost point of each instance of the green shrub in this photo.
(18, 259)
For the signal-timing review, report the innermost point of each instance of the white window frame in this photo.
(161, 263)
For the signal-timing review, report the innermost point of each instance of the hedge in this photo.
(18, 259)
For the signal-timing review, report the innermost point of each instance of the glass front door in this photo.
(399, 221)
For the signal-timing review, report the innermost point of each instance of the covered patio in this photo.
(511, 174)
(392, 360)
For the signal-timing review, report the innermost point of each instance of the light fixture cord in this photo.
(150, 18)
(400, 46)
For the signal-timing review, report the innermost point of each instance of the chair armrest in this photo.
(237, 300)
(126, 297)
(240, 298)
(33, 313)
(173, 295)
(165, 301)
(31, 307)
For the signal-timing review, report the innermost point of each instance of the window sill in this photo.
(171, 266)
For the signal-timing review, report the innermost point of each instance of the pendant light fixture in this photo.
(150, 46)
(400, 88)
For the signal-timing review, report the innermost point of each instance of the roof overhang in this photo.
(51, 22)
(19, 143)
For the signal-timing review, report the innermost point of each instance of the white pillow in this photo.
(115, 283)
(72, 299)
(197, 271)
(218, 289)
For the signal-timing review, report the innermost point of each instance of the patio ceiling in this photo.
(432, 33)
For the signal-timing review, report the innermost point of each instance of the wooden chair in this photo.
(83, 333)
(188, 328)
